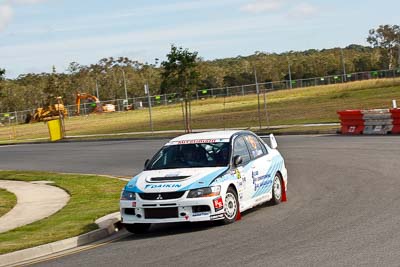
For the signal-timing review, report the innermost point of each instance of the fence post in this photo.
(16, 117)
(242, 90)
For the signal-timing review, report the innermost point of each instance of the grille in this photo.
(161, 213)
(156, 196)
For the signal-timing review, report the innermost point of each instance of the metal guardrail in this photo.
(17, 117)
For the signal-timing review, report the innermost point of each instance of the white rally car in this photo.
(204, 177)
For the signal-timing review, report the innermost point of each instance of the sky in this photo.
(38, 34)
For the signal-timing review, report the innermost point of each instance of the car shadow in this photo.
(167, 229)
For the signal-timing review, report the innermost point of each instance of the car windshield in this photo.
(191, 156)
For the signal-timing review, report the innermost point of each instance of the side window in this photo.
(240, 148)
(256, 148)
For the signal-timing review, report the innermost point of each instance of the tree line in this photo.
(183, 72)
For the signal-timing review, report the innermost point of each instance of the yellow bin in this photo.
(55, 130)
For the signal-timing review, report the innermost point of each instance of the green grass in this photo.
(7, 201)
(295, 106)
(91, 198)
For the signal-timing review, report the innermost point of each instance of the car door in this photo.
(243, 172)
(261, 176)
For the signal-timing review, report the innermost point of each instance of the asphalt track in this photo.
(343, 207)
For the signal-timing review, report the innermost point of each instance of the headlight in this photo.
(205, 192)
(126, 195)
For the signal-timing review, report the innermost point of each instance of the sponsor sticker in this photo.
(200, 214)
(237, 173)
(152, 186)
(218, 204)
(196, 141)
(216, 217)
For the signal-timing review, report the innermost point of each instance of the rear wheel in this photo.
(276, 190)
(231, 206)
(138, 228)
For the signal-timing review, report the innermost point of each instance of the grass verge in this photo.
(294, 106)
(91, 198)
(7, 201)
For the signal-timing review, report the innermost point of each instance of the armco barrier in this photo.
(396, 120)
(352, 121)
(374, 121)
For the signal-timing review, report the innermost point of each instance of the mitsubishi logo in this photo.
(159, 197)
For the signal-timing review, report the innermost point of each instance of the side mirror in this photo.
(237, 160)
(146, 163)
(272, 139)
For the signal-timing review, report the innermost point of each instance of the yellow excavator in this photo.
(51, 112)
(94, 101)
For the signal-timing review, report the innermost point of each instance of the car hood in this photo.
(170, 180)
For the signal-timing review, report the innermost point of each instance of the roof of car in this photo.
(216, 135)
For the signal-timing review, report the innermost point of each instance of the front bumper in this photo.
(172, 210)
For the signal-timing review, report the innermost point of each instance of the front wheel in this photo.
(276, 190)
(231, 206)
(138, 228)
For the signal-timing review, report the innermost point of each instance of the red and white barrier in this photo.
(396, 120)
(374, 121)
(352, 121)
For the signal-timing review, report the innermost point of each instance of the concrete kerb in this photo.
(108, 224)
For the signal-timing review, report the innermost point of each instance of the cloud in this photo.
(259, 6)
(7, 10)
(6, 14)
(303, 10)
(22, 2)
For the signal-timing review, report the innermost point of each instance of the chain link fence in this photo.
(17, 117)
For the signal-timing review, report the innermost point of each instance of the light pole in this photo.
(398, 55)
(343, 66)
(290, 74)
(126, 93)
(147, 91)
(258, 97)
(97, 90)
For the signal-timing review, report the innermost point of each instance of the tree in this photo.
(180, 73)
(387, 37)
(2, 73)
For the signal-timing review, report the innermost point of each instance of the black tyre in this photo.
(231, 206)
(138, 228)
(276, 190)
